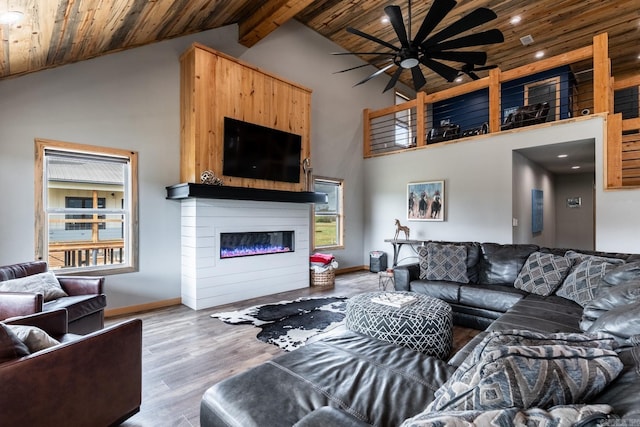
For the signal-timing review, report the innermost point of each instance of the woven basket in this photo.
(327, 278)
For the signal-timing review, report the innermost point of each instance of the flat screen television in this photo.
(254, 151)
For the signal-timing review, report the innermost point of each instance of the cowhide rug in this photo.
(289, 324)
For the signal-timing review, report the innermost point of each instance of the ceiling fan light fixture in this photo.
(11, 17)
(409, 62)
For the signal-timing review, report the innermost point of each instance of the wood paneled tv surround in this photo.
(214, 86)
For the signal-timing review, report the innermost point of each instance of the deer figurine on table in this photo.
(403, 228)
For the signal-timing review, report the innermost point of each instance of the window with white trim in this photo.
(328, 224)
(86, 208)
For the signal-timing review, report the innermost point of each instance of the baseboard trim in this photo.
(351, 269)
(120, 311)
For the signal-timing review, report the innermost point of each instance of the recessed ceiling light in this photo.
(384, 20)
(458, 79)
(539, 54)
(516, 19)
(575, 167)
(562, 156)
(11, 17)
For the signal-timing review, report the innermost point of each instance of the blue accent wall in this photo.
(471, 110)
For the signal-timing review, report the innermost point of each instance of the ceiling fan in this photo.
(469, 70)
(427, 50)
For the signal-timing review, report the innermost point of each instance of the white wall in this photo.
(478, 189)
(130, 100)
(574, 225)
(528, 176)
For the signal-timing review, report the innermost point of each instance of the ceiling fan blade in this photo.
(363, 53)
(488, 67)
(478, 17)
(447, 73)
(394, 79)
(439, 9)
(395, 17)
(370, 37)
(478, 58)
(478, 39)
(377, 73)
(473, 75)
(352, 68)
(418, 78)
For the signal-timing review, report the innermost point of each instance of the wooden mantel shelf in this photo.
(205, 191)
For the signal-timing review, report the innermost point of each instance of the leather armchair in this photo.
(85, 303)
(91, 380)
(527, 115)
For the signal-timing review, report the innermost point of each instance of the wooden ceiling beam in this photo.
(269, 17)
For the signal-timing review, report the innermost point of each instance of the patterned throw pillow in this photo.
(542, 273)
(446, 262)
(531, 376)
(583, 281)
(562, 415)
(42, 283)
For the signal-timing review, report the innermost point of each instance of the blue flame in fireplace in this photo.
(243, 244)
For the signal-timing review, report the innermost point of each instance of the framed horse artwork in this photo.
(425, 201)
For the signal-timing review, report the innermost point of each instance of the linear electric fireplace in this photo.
(233, 245)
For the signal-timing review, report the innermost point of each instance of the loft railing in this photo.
(581, 84)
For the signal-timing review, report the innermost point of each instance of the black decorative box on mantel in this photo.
(205, 191)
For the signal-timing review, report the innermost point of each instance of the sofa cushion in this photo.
(622, 322)
(34, 338)
(542, 273)
(583, 280)
(536, 313)
(492, 297)
(444, 262)
(42, 283)
(78, 306)
(500, 264)
(610, 297)
(562, 415)
(622, 274)
(441, 289)
(10, 345)
(556, 369)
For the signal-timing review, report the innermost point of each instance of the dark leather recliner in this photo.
(443, 133)
(526, 116)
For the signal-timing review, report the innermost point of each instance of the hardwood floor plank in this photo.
(187, 351)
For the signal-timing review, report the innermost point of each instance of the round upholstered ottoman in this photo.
(424, 325)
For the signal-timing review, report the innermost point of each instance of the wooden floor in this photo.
(186, 351)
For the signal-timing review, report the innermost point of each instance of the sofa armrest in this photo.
(94, 380)
(328, 416)
(19, 304)
(82, 285)
(404, 274)
(53, 322)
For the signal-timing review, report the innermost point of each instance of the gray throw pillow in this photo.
(42, 283)
(610, 297)
(623, 274)
(531, 376)
(446, 262)
(582, 282)
(34, 338)
(542, 273)
(10, 345)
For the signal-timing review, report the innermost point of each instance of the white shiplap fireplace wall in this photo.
(209, 281)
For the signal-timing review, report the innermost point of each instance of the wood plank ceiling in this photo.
(57, 32)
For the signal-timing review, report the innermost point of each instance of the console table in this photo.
(397, 244)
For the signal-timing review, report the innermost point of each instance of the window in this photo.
(328, 218)
(86, 208)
